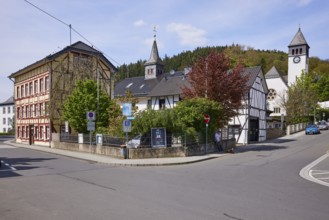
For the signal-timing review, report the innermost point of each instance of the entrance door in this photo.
(253, 130)
(31, 134)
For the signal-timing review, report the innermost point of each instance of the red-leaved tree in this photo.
(212, 77)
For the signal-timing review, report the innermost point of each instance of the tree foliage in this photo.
(187, 117)
(211, 77)
(302, 100)
(83, 99)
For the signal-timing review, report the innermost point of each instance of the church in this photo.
(278, 84)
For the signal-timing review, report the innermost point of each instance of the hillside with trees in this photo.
(248, 56)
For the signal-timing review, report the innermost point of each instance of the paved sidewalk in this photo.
(120, 162)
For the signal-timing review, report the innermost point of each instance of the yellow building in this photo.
(42, 87)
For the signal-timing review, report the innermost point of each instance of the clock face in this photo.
(296, 59)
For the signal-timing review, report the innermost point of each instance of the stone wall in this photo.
(140, 153)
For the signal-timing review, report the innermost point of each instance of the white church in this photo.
(298, 59)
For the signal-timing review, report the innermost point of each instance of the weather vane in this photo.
(155, 31)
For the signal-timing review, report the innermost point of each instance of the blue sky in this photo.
(123, 30)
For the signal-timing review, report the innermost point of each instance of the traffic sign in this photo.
(91, 126)
(206, 118)
(126, 126)
(126, 109)
(91, 116)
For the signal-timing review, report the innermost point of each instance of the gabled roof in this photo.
(274, 73)
(78, 47)
(171, 84)
(298, 39)
(9, 101)
(138, 86)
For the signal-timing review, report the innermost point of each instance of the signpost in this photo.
(206, 119)
(91, 117)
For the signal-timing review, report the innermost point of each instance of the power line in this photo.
(71, 28)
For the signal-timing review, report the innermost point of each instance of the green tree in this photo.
(84, 98)
(302, 100)
(212, 77)
(186, 117)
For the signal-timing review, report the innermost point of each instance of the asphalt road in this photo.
(258, 182)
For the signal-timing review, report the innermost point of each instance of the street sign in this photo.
(91, 126)
(126, 126)
(91, 116)
(126, 109)
(206, 118)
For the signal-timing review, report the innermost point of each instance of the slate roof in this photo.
(274, 73)
(154, 57)
(76, 47)
(138, 86)
(298, 39)
(171, 84)
(9, 101)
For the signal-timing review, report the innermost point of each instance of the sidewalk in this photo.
(120, 162)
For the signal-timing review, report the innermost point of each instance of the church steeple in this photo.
(298, 57)
(154, 66)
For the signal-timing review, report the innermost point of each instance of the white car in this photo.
(323, 125)
(135, 142)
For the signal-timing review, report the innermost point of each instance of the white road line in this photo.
(8, 165)
(306, 172)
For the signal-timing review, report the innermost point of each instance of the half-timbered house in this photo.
(42, 87)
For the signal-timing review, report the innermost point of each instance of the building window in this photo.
(35, 86)
(22, 91)
(36, 110)
(18, 92)
(23, 131)
(162, 103)
(36, 133)
(41, 132)
(26, 90)
(47, 83)
(4, 110)
(300, 50)
(271, 94)
(31, 88)
(149, 103)
(47, 132)
(293, 51)
(41, 85)
(18, 131)
(277, 110)
(41, 109)
(4, 121)
(18, 115)
(9, 110)
(27, 131)
(27, 111)
(4, 130)
(47, 108)
(10, 121)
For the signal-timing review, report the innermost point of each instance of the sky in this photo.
(123, 30)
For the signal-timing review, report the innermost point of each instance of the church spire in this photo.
(154, 66)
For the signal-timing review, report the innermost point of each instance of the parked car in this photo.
(312, 129)
(134, 142)
(322, 125)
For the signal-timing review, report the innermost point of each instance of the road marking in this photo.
(306, 172)
(8, 165)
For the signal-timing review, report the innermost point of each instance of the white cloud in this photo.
(188, 34)
(139, 23)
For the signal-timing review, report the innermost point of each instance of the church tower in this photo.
(298, 57)
(154, 66)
